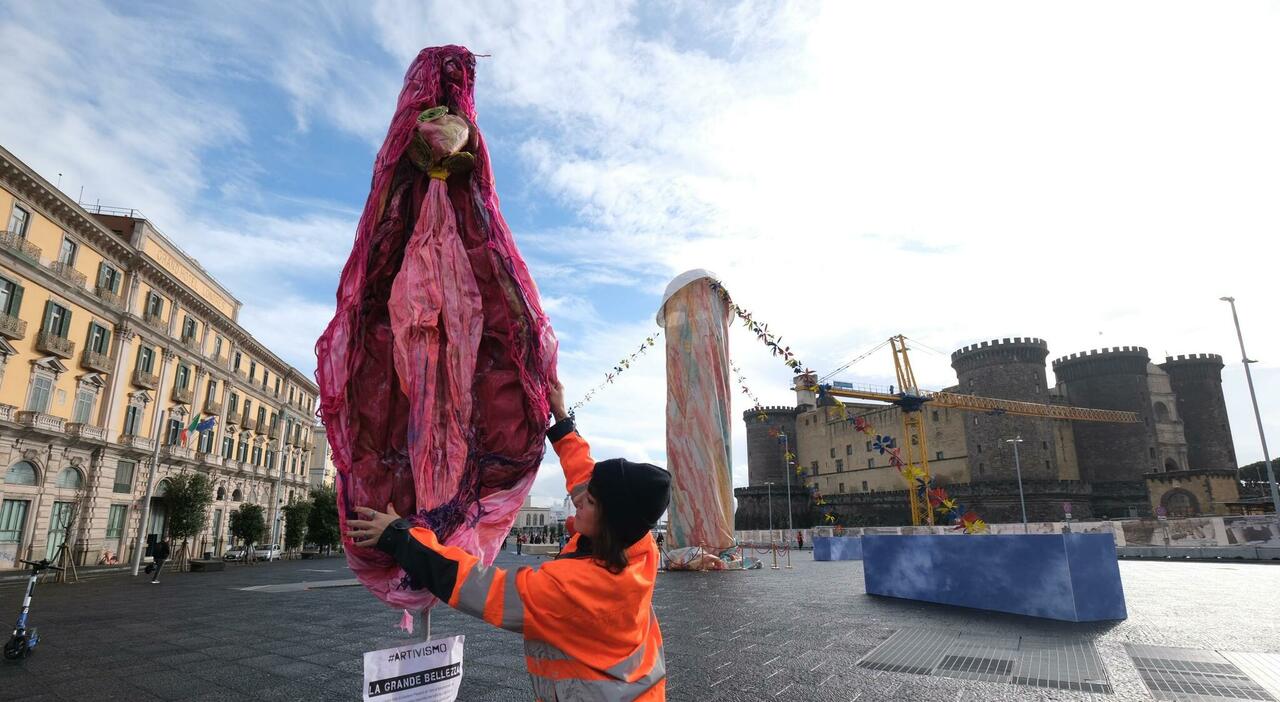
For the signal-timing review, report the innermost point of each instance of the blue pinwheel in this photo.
(883, 443)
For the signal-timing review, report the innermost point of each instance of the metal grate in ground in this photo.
(1195, 675)
(1037, 662)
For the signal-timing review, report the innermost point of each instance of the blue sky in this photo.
(1091, 174)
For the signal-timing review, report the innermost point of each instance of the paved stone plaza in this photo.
(758, 635)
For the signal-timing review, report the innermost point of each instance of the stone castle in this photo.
(1178, 460)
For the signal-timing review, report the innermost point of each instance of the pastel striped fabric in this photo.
(698, 416)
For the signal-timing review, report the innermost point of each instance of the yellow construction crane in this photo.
(911, 399)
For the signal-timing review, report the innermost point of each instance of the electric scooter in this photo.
(24, 640)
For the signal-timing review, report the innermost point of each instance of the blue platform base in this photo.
(1070, 577)
(837, 548)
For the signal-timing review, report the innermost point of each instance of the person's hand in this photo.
(555, 397)
(366, 532)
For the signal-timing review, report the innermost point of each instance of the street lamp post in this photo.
(772, 544)
(1257, 416)
(1017, 466)
(786, 463)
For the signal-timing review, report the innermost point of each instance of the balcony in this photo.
(109, 297)
(156, 322)
(182, 395)
(212, 405)
(12, 327)
(274, 431)
(40, 420)
(68, 273)
(86, 431)
(248, 423)
(192, 344)
(233, 419)
(6, 412)
(145, 379)
(177, 453)
(20, 246)
(101, 362)
(136, 443)
(47, 342)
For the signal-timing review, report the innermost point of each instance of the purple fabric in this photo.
(434, 371)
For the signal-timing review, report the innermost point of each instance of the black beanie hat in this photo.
(633, 495)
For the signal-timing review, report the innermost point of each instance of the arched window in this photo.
(70, 478)
(1170, 465)
(162, 488)
(222, 493)
(1181, 503)
(237, 496)
(21, 473)
(1162, 412)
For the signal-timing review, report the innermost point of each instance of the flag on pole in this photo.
(195, 422)
(207, 425)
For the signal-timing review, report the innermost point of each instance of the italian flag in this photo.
(190, 429)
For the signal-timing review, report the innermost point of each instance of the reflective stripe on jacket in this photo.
(589, 634)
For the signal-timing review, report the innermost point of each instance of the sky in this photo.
(1095, 174)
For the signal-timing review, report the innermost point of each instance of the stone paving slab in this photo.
(757, 635)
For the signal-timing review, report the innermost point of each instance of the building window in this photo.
(57, 319)
(227, 443)
(69, 479)
(21, 473)
(242, 450)
(290, 394)
(871, 463)
(1044, 445)
(833, 452)
(262, 420)
(257, 455)
(232, 404)
(19, 220)
(217, 346)
(188, 328)
(205, 444)
(146, 358)
(814, 467)
(183, 376)
(842, 487)
(848, 449)
(83, 411)
(935, 415)
(174, 432)
(211, 389)
(839, 465)
(864, 486)
(915, 440)
(67, 253)
(10, 298)
(132, 420)
(938, 456)
(237, 361)
(253, 369)
(155, 305)
(1152, 451)
(99, 340)
(982, 468)
(124, 477)
(41, 390)
(115, 521)
(108, 278)
(1046, 466)
(277, 387)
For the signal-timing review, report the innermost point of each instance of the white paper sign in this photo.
(430, 671)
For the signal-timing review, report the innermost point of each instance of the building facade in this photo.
(112, 341)
(323, 471)
(1178, 459)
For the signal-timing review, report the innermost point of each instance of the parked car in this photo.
(235, 553)
(269, 552)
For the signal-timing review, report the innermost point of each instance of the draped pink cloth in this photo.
(434, 371)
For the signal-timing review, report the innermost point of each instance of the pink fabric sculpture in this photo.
(696, 321)
(434, 371)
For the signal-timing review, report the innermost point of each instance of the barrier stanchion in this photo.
(773, 546)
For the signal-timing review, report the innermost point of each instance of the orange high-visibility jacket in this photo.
(588, 634)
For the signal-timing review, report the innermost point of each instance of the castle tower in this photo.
(765, 457)
(1008, 369)
(1197, 383)
(1114, 379)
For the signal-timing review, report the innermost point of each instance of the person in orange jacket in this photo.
(590, 630)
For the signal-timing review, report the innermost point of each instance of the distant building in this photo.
(104, 323)
(323, 472)
(532, 519)
(1179, 460)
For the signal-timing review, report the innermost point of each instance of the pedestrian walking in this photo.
(159, 554)
(799, 540)
(586, 617)
(520, 544)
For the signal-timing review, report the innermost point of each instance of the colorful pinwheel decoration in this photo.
(883, 443)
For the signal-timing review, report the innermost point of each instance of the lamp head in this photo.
(1227, 299)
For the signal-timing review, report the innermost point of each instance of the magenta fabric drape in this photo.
(434, 371)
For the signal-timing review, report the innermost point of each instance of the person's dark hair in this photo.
(607, 550)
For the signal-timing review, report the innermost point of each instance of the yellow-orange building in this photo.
(111, 338)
